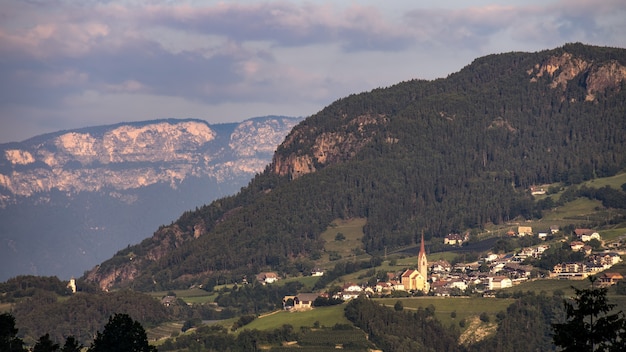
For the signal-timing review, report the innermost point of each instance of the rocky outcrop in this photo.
(327, 147)
(564, 69)
(605, 77)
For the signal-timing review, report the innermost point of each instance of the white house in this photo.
(267, 278)
(499, 282)
(588, 237)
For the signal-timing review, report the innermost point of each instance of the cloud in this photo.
(239, 57)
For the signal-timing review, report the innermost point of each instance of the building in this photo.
(417, 280)
(267, 278)
(72, 285)
(453, 239)
(607, 279)
(524, 231)
(302, 301)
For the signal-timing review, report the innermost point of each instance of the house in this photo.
(168, 300)
(317, 272)
(350, 291)
(499, 282)
(608, 279)
(534, 190)
(440, 288)
(458, 283)
(588, 237)
(607, 259)
(490, 257)
(540, 249)
(517, 270)
(524, 231)
(526, 252)
(453, 239)
(580, 232)
(576, 245)
(301, 301)
(441, 266)
(554, 229)
(496, 282)
(267, 278)
(542, 235)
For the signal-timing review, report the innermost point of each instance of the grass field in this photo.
(193, 295)
(307, 281)
(326, 316)
(164, 330)
(351, 244)
(464, 307)
(614, 181)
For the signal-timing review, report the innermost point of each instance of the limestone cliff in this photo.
(325, 147)
(599, 78)
(132, 156)
(70, 199)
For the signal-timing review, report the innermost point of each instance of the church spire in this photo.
(422, 261)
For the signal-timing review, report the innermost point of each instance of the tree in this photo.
(71, 345)
(122, 333)
(8, 340)
(589, 325)
(398, 306)
(45, 344)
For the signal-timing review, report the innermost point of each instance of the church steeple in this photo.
(422, 262)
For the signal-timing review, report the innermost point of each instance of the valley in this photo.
(506, 179)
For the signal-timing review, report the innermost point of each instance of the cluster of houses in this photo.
(490, 273)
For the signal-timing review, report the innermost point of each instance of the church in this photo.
(414, 280)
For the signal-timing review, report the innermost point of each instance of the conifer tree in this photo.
(122, 333)
(590, 325)
(8, 340)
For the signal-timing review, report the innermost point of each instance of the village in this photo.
(486, 276)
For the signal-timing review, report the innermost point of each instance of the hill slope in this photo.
(71, 199)
(432, 156)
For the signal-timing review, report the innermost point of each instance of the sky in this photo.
(71, 64)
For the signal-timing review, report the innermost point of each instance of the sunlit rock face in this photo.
(95, 190)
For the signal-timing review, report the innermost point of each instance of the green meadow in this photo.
(325, 316)
(464, 307)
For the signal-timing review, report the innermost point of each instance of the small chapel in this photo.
(414, 280)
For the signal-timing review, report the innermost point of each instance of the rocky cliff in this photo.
(152, 171)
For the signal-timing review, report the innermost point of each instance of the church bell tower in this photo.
(422, 262)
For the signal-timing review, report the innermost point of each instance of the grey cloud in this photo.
(285, 24)
(551, 24)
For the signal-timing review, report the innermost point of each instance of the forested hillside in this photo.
(432, 156)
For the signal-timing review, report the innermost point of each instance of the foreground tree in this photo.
(589, 325)
(8, 340)
(71, 345)
(45, 344)
(122, 333)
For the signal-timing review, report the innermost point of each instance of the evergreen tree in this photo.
(589, 325)
(71, 345)
(8, 340)
(122, 333)
(45, 344)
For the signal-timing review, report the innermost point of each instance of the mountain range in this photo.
(71, 199)
(419, 157)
